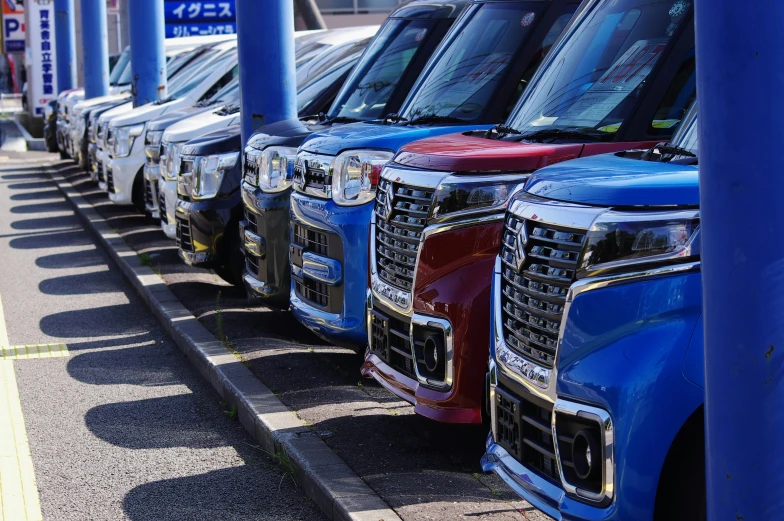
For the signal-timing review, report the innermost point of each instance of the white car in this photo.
(124, 155)
(311, 57)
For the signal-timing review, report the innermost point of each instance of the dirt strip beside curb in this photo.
(324, 477)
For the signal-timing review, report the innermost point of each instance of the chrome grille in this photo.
(312, 240)
(162, 207)
(533, 296)
(109, 181)
(401, 215)
(251, 166)
(184, 237)
(187, 170)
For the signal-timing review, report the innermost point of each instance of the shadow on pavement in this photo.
(154, 423)
(95, 322)
(81, 284)
(229, 494)
(42, 194)
(54, 206)
(32, 185)
(136, 365)
(52, 240)
(73, 259)
(43, 223)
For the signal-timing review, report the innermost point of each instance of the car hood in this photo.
(289, 133)
(92, 102)
(116, 112)
(164, 121)
(375, 135)
(219, 142)
(145, 113)
(618, 180)
(198, 125)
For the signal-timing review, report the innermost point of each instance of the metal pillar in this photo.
(265, 37)
(95, 48)
(65, 39)
(148, 59)
(739, 82)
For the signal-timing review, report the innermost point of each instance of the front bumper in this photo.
(121, 174)
(338, 279)
(167, 206)
(151, 176)
(264, 237)
(201, 228)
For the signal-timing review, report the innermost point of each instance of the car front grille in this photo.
(184, 238)
(109, 181)
(313, 291)
(401, 215)
(162, 207)
(188, 166)
(539, 265)
(251, 166)
(391, 342)
(149, 195)
(311, 240)
(251, 224)
(523, 428)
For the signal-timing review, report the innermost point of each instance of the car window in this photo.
(201, 74)
(119, 67)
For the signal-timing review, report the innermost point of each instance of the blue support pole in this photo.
(95, 48)
(739, 81)
(65, 40)
(265, 39)
(148, 58)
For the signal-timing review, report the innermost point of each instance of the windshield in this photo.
(119, 67)
(201, 74)
(476, 58)
(592, 80)
(228, 94)
(686, 136)
(365, 94)
(322, 74)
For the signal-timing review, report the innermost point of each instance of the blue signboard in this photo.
(181, 11)
(200, 17)
(182, 30)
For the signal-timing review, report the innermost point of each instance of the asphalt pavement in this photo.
(122, 427)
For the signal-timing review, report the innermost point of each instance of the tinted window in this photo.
(593, 78)
(119, 68)
(375, 78)
(474, 60)
(201, 74)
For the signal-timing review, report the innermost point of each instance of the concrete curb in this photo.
(322, 475)
(37, 144)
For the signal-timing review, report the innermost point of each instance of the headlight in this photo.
(620, 241)
(124, 138)
(208, 176)
(171, 160)
(276, 168)
(355, 175)
(456, 197)
(153, 137)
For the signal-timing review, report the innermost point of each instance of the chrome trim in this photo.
(253, 244)
(319, 161)
(603, 419)
(449, 345)
(322, 269)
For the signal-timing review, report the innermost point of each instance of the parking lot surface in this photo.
(122, 427)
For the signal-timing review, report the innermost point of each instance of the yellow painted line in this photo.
(18, 490)
(33, 351)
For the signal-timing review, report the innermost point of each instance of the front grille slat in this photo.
(162, 207)
(401, 216)
(184, 237)
(534, 289)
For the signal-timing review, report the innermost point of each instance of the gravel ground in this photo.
(123, 428)
(423, 469)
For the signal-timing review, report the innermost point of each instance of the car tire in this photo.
(64, 155)
(137, 193)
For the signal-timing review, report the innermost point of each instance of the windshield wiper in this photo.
(343, 119)
(672, 150)
(393, 118)
(206, 103)
(560, 133)
(165, 100)
(228, 109)
(501, 130)
(434, 118)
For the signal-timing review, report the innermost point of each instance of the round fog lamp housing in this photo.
(585, 451)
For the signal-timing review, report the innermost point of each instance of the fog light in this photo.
(433, 352)
(584, 448)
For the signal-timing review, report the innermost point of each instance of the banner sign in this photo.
(13, 26)
(182, 30)
(43, 72)
(200, 17)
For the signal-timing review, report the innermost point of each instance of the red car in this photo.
(620, 77)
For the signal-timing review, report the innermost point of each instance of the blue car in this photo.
(472, 81)
(605, 253)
